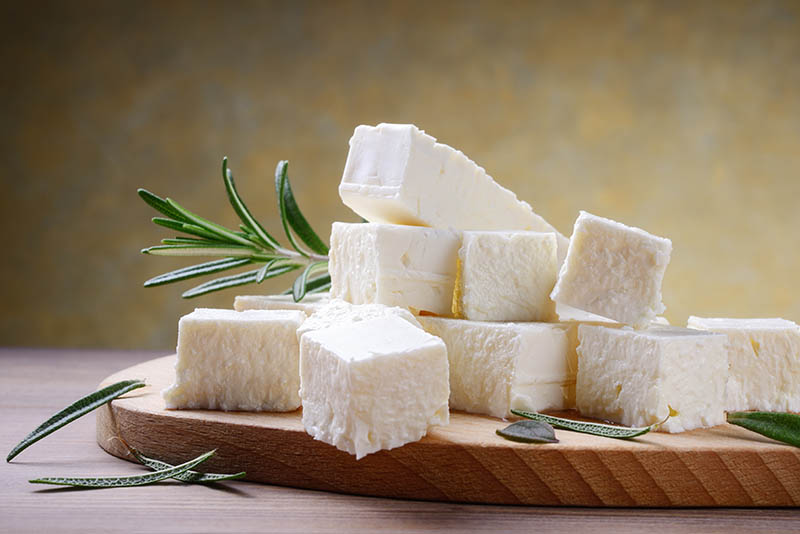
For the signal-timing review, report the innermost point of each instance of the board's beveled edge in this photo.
(485, 470)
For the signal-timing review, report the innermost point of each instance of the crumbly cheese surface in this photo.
(309, 304)
(374, 384)
(638, 377)
(614, 271)
(396, 173)
(506, 276)
(339, 312)
(498, 366)
(764, 362)
(229, 360)
(408, 266)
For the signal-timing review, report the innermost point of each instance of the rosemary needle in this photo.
(124, 481)
(75, 410)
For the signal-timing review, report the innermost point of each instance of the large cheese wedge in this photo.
(408, 266)
(229, 360)
(396, 173)
(639, 377)
(373, 384)
(498, 366)
(764, 360)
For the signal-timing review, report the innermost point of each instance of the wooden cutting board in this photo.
(462, 462)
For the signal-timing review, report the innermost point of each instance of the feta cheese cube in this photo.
(614, 271)
(407, 266)
(506, 276)
(229, 360)
(498, 366)
(764, 362)
(395, 173)
(639, 377)
(372, 385)
(309, 304)
(339, 312)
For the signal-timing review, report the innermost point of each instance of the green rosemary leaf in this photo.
(211, 249)
(299, 286)
(264, 271)
(212, 227)
(193, 241)
(221, 283)
(281, 176)
(595, 429)
(783, 427)
(191, 477)
(320, 289)
(75, 410)
(314, 285)
(159, 204)
(124, 481)
(241, 279)
(241, 209)
(290, 211)
(197, 270)
(529, 432)
(321, 283)
(185, 228)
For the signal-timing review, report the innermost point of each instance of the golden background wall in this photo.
(679, 117)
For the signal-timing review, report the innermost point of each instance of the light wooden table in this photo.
(36, 383)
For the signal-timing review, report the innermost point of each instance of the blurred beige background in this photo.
(679, 117)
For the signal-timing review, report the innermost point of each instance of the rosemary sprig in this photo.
(251, 244)
(595, 429)
(125, 481)
(75, 410)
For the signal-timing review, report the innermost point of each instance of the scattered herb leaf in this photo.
(783, 427)
(75, 410)
(529, 431)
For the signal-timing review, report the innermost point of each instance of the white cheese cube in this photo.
(338, 312)
(571, 320)
(229, 360)
(506, 276)
(764, 362)
(614, 271)
(639, 377)
(407, 266)
(395, 173)
(309, 304)
(498, 366)
(372, 385)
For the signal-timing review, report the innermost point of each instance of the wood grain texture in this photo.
(464, 461)
(35, 384)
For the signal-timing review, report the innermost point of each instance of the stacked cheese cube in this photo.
(457, 295)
